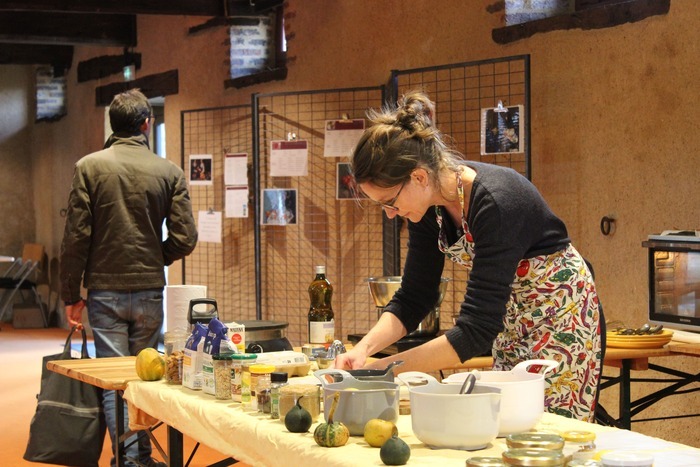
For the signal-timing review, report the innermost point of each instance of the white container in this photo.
(626, 459)
(360, 401)
(441, 417)
(522, 404)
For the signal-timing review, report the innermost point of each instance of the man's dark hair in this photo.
(128, 111)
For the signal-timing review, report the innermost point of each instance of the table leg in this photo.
(625, 396)
(119, 410)
(175, 445)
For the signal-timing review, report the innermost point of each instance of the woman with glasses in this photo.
(529, 295)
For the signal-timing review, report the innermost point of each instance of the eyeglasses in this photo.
(389, 205)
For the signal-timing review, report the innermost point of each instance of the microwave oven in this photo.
(674, 279)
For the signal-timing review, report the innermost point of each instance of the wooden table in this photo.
(111, 373)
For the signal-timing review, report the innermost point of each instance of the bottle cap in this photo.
(576, 436)
(278, 377)
(320, 269)
(261, 368)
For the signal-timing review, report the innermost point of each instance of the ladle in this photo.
(468, 385)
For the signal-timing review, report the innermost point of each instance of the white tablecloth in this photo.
(260, 441)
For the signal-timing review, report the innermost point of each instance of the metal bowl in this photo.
(383, 289)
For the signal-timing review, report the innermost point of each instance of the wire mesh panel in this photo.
(226, 268)
(345, 235)
(462, 93)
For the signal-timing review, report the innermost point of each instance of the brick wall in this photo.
(252, 47)
(522, 11)
(50, 95)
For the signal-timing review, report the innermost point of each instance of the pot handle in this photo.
(326, 371)
(416, 378)
(523, 367)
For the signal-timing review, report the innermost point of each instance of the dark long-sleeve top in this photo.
(509, 221)
(113, 238)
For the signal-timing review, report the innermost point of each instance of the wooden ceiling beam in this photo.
(106, 65)
(156, 85)
(60, 56)
(67, 28)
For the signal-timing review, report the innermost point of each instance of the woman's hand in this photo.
(351, 360)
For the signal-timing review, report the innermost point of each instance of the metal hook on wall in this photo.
(607, 224)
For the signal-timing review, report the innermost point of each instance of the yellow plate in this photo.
(666, 334)
(637, 345)
(653, 341)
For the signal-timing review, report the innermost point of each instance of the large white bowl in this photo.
(360, 401)
(443, 418)
(522, 404)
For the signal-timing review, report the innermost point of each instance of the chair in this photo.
(24, 276)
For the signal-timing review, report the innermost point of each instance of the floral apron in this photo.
(552, 314)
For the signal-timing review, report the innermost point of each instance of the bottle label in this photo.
(321, 332)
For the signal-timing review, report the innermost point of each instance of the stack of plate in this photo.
(636, 341)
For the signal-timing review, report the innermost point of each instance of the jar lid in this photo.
(484, 462)
(223, 356)
(278, 377)
(534, 457)
(261, 368)
(626, 459)
(244, 356)
(535, 440)
(576, 436)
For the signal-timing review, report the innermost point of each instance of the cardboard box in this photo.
(27, 316)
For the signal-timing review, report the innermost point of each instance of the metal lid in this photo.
(535, 440)
(576, 436)
(278, 377)
(244, 356)
(485, 462)
(534, 457)
(320, 269)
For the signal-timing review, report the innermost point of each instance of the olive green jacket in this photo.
(113, 237)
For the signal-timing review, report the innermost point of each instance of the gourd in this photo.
(332, 434)
(395, 451)
(150, 365)
(298, 419)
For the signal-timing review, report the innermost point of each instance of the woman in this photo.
(529, 295)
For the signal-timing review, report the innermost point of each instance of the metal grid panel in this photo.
(226, 268)
(460, 92)
(343, 235)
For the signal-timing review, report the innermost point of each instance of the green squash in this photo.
(298, 419)
(395, 451)
(332, 434)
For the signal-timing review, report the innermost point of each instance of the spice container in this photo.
(548, 441)
(260, 385)
(222, 375)
(237, 363)
(485, 462)
(174, 343)
(583, 463)
(278, 379)
(533, 457)
(310, 395)
(581, 442)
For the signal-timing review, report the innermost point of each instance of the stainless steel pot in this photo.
(383, 289)
(266, 336)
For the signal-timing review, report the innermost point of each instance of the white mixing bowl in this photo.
(522, 404)
(443, 418)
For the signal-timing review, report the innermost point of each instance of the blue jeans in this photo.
(124, 322)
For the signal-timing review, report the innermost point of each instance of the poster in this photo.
(201, 169)
(279, 206)
(342, 136)
(289, 158)
(502, 130)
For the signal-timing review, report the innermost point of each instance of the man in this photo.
(113, 241)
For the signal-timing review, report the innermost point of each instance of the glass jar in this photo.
(174, 343)
(485, 462)
(278, 379)
(310, 395)
(581, 442)
(583, 463)
(260, 386)
(237, 363)
(533, 457)
(549, 441)
(222, 375)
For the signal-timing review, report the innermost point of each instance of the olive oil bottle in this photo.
(321, 317)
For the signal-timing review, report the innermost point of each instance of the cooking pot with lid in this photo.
(265, 336)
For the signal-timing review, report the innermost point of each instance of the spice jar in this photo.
(174, 343)
(237, 362)
(310, 395)
(278, 379)
(260, 386)
(533, 457)
(549, 441)
(581, 442)
(222, 375)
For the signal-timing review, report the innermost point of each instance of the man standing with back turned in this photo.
(113, 241)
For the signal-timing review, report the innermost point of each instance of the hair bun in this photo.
(415, 112)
